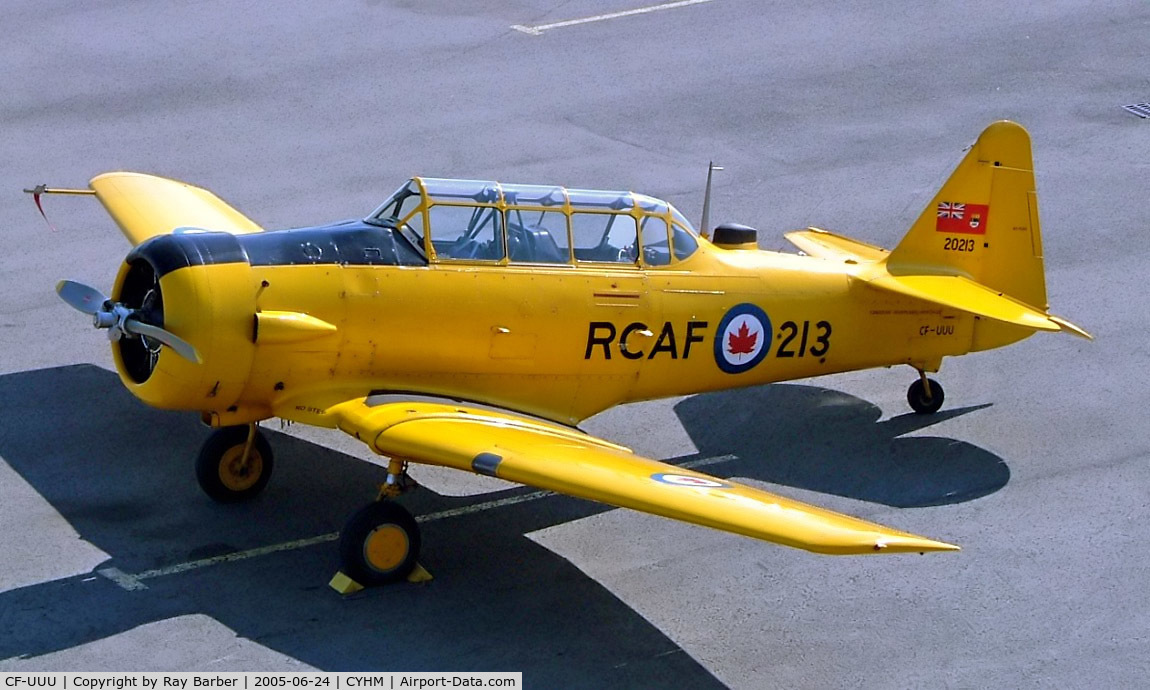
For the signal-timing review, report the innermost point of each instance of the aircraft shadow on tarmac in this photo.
(121, 474)
(827, 441)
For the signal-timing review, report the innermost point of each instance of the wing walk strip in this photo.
(134, 582)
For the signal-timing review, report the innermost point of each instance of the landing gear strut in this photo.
(234, 464)
(380, 543)
(925, 395)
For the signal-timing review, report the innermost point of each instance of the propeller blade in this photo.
(80, 296)
(181, 347)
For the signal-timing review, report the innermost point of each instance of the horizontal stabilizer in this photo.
(1071, 328)
(966, 295)
(145, 206)
(827, 245)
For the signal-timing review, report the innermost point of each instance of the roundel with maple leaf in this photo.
(743, 338)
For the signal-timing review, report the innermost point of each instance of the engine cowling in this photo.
(200, 287)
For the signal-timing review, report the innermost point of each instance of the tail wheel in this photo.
(225, 474)
(923, 402)
(379, 544)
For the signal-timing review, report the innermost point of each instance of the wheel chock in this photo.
(344, 584)
(419, 574)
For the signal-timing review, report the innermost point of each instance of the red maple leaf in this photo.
(743, 342)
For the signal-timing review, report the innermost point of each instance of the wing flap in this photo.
(827, 245)
(145, 206)
(565, 460)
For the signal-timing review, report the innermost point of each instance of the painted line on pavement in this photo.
(129, 582)
(538, 30)
(134, 583)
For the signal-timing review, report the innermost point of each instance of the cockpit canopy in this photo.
(483, 221)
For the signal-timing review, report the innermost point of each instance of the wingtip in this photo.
(911, 544)
(1070, 328)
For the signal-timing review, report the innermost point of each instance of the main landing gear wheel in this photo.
(379, 544)
(925, 396)
(234, 464)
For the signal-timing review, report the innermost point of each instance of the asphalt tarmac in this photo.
(845, 115)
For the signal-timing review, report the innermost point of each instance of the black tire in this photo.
(371, 544)
(919, 402)
(218, 470)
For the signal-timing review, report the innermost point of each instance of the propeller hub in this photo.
(135, 324)
(112, 316)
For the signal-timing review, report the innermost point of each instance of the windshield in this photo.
(403, 212)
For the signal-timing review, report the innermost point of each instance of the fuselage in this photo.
(566, 343)
(558, 339)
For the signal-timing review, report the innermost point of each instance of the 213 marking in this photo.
(791, 329)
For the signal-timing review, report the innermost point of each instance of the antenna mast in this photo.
(705, 228)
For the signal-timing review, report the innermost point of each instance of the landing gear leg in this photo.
(398, 480)
(380, 543)
(925, 395)
(234, 464)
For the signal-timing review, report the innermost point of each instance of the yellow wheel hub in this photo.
(238, 475)
(386, 547)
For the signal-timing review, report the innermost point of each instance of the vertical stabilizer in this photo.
(983, 223)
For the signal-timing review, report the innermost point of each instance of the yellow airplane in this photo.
(473, 324)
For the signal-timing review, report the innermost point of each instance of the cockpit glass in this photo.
(681, 220)
(656, 248)
(405, 200)
(461, 190)
(483, 220)
(616, 201)
(683, 242)
(532, 195)
(651, 205)
(604, 237)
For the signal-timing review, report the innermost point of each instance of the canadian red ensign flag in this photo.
(969, 219)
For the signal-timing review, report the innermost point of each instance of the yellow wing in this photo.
(145, 206)
(550, 456)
